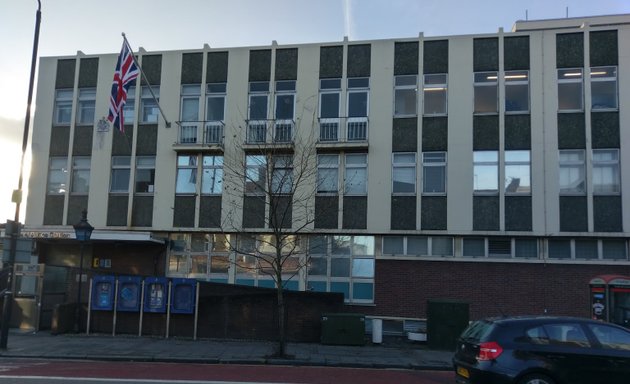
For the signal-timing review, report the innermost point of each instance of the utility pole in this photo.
(17, 194)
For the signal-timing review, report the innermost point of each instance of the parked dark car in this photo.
(542, 350)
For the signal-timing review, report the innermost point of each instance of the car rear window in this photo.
(477, 331)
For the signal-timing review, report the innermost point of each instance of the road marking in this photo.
(95, 379)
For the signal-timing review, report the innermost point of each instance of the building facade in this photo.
(488, 169)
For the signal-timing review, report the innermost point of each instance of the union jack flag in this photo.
(126, 73)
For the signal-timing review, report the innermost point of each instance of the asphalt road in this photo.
(21, 371)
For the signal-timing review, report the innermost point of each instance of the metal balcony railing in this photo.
(188, 132)
(213, 133)
(256, 131)
(283, 131)
(329, 129)
(357, 128)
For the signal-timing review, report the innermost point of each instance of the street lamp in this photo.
(83, 232)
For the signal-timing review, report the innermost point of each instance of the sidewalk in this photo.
(43, 345)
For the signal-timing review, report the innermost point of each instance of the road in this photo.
(21, 371)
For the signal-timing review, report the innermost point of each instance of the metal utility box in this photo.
(343, 329)
(446, 320)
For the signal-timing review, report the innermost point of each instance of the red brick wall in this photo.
(402, 288)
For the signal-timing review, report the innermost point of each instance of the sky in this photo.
(95, 27)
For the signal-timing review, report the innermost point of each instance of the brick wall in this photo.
(402, 288)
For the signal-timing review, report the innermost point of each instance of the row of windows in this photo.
(86, 106)
(516, 166)
(335, 264)
(506, 248)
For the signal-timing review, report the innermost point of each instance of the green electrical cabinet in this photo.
(343, 329)
(446, 320)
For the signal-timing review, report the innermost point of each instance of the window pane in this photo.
(363, 245)
(610, 337)
(606, 171)
(362, 291)
(258, 107)
(442, 246)
(404, 180)
(357, 104)
(405, 102)
(614, 250)
(318, 245)
(363, 268)
(570, 96)
(486, 178)
(216, 108)
(417, 245)
(604, 88)
(327, 180)
(284, 107)
(559, 249)
(356, 181)
(474, 247)
(526, 248)
(586, 249)
(358, 82)
(516, 97)
(219, 264)
(393, 245)
(571, 177)
(517, 178)
(435, 101)
(120, 180)
(318, 266)
(434, 179)
(186, 181)
(212, 181)
(329, 107)
(339, 267)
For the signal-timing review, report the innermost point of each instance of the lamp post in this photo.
(83, 232)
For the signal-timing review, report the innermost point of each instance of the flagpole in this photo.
(168, 124)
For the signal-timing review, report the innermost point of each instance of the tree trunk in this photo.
(281, 327)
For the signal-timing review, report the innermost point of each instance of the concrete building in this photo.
(488, 169)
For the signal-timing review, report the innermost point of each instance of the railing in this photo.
(329, 129)
(213, 133)
(256, 131)
(357, 128)
(188, 132)
(283, 131)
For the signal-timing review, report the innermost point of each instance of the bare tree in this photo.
(270, 184)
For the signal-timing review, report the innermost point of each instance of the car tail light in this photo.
(489, 351)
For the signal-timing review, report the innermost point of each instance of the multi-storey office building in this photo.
(482, 168)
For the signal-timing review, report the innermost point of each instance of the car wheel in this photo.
(536, 379)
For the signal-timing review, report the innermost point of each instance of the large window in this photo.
(85, 110)
(329, 95)
(282, 174)
(121, 171)
(604, 88)
(486, 92)
(405, 91)
(570, 95)
(435, 94)
(606, 171)
(486, 171)
(404, 173)
(434, 172)
(186, 175)
(517, 172)
(255, 174)
(215, 102)
(57, 175)
(63, 106)
(149, 106)
(212, 176)
(356, 174)
(516, 91)
(572, 176)
(190, 103)
(358, 101)
(285, 111)
(145, 174)
(342, 264)
(258, 107)
(328, 174)
(81, 174)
